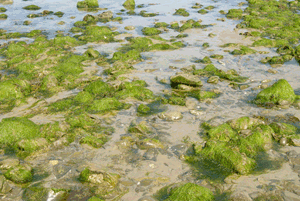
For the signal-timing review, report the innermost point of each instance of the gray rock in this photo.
(213, 79)
(147, 198)
(4, 186)
(106, 15)
(240, 196)
(170, 115)
(129, 27)
(6, 2)
(289, 196)
(151, 154)
(9, 163)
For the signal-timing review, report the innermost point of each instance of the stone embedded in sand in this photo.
(279, 91)
(170, 115)
(106, 15)
(186, 79)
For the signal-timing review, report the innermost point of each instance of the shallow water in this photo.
(167, 167)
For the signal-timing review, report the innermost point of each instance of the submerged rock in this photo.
(170, 115)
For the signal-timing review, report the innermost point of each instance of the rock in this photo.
(146, 198)
(4, 185)
(185, 87)
(296, 142)
(286, 195)
(19, 174)
(170, 115)
(151, 154)
(6, 2)
(106, 15)
(129, 27)
(9, 163)
(149, 144)
(283, 141)
(213, 79)
(186, 79)
(60, 142)
(283, 102)
(278, 92)
(240, 196)
(196, 112)
(272, 71)
(32, 144)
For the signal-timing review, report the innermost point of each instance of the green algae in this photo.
(17, 128)
(235, 14)
(3, 16)
(210, 70)
(150, 31)
(19, 174)
(143, 109)
(284, 130)
(32, 7)
(129, 4)
(95, 199)
(98, 34)
(202, 11)
(243, 51)
(59, 13)
(205, 60)
(205, 45)
(135, 89)
(93, 141)
(83, 97)
(88, 4)
(217, 56)
(132, 56)
(190, 191)
(2, 9)
(99, 89)
(161, 24)
(182, 12)
(91, 53)
(144, 13)
(105, 105)
(279, 91)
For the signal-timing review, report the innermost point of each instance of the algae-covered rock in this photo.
(83, 97)
(244, 123)
(143, 109)
(105, 104)
(235, 14)
(222, 132)
(88, 4)
(91, 53)
(141, 128)
(32, 7)
(100, 89)
(129, 4)
(283, 130)
(2, 9)
(279, 91)
(98, 34)
(228, 157)
(29, 145)
(150, 31)
(243, 51)
(19, 174)
(17, 128)
(95, 199)
(148, 143)
(182, 12)
(94, 141)
(191, 192)
(135, 89)
(104, 183)
(186, 79)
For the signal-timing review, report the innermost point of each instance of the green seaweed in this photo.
(148, 31)
(19, 174)
(279, 91)
(190, 191)
(88, 4)
(32, 7)
(129, 4)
